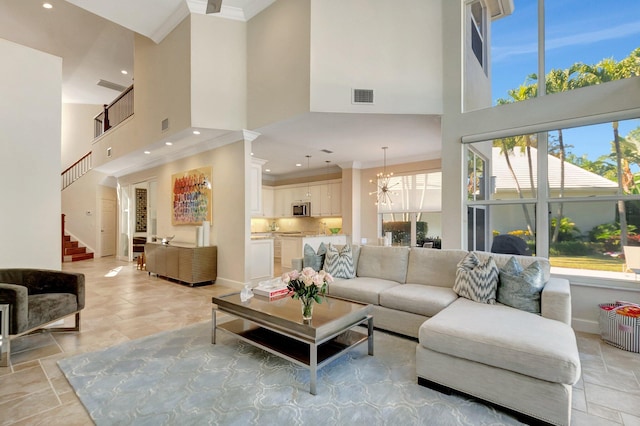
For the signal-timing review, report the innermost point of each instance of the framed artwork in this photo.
(141, 210)
(192, 195)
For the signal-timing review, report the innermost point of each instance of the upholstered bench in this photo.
(518, 360)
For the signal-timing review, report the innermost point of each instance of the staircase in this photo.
(72, 251)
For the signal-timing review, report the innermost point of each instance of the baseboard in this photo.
(585, 326)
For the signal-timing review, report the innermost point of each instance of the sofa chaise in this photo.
(521, 361)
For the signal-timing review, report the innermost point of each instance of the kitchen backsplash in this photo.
(300, 224)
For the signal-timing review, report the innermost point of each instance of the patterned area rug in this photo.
(179, 377)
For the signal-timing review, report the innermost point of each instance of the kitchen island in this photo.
(293, 246)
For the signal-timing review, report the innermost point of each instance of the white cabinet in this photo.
(261, 252)
(326, 198)
(336, 198)
(255, 181)
(316, 200)
(282, 198)
(268, 209)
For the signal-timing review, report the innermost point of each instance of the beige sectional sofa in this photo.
(524, 362)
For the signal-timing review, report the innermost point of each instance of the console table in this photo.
(183, 262)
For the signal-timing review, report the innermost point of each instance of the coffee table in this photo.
(276, 326)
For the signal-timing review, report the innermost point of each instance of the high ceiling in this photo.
(94, 48)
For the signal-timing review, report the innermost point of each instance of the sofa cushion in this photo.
(506, 338)
(520, 288)
(417, 298)
(314, 259)
(366, 290)
(433, 267)
(388, 263)
(477, 280)
(339, 263)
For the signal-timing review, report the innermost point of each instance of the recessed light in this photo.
(195, 132)
(298, 165)
(47, 5)
(147, 152)
(267, 170)
(125, 72)
(168, 143)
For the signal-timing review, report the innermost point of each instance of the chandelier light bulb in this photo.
(383, 183)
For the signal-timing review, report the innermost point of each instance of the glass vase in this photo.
(307, 307)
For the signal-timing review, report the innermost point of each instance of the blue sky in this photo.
(576, 31)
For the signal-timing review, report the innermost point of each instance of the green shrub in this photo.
(571, 248)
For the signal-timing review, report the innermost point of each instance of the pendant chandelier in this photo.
(308, 194)
(383, 192)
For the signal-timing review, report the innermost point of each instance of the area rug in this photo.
(179, 377)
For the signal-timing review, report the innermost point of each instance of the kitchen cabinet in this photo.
(282, 198)
(268, 207)
(261, 252)
(255, 182)
(325, 198)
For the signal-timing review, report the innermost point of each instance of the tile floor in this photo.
(131, 304)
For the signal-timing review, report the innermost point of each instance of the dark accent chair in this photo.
(32, 298)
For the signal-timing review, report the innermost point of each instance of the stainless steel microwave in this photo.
(301, 209)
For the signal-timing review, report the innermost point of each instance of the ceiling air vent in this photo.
(327, 151)
(111, 85)
(165, 124)
(362, 96)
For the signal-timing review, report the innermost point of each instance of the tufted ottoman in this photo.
(518, 360)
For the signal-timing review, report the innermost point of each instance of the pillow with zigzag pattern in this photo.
(339, 263)
(477, 280)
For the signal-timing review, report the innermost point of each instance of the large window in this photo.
(585, 43)
(572, 194)
(413, 215)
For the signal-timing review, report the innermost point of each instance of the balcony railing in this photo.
(76, 170)
(114, 113)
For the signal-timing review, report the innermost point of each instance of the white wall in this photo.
(30, 128)
(393, 47)
(218, 72)
(77, 131)
(230, 226)
(278, 60)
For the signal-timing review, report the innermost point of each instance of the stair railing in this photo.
(62, 236)
(114, 113)
(76, 170)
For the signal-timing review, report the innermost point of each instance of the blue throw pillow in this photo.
(314, 259)
(521, 288)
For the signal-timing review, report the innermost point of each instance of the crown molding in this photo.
(172, 21)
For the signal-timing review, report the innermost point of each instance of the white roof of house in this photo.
(575, 177)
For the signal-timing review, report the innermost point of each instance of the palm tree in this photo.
(605, 71)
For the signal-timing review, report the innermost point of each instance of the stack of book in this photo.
(273, 289)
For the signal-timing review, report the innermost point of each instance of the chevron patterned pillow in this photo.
(477, 280)
(339, 263)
